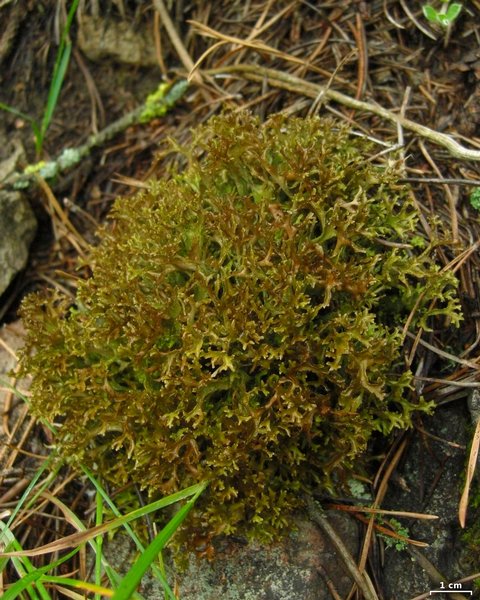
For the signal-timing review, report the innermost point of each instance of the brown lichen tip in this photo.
(242, 324)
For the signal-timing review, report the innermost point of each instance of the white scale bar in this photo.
(459, 591)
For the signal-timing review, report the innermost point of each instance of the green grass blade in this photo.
(133, 577)
(133, 536)
(98, 542)
(112, 575)
(193, 490)
(33, 577)
(22, 115)
(121, 520)
(58, 76)
(54, 93)
(22, 565)
(77, 584)
(14, 111)
(68, 25)
(31, 485)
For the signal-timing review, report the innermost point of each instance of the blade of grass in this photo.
(98, 542)
(22, 565)
(167, 531)
(112, 575)
(68, 593)
(72, 518)
(53, 95)
(61, 64)
(133, 536)
(83, 536)
(78, 584)
(21, 585)
(133, 577)
(66, 31)
(26, 493)
(58, 76)
(22, 115)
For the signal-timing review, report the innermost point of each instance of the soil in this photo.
(381, 52)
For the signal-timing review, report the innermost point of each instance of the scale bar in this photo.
(451, 592)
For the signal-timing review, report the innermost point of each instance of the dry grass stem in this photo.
(361, 578)
(445, 355)
(77, 240)
(433, 573)
(175, 39)
(381, 511)
(472, 464)
(258, 46)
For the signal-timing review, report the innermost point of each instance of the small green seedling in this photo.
(447, 14)
(58, 75)
(475, 199)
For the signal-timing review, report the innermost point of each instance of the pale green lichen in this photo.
(161, 100)
(69, 158)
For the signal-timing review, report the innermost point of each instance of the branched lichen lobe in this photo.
(243, 323)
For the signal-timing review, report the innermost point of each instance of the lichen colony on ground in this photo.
(243, 322)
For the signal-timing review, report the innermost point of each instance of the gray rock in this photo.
(297, 567)
(104, 39)
(17, 230)
(432, 473)
(301, 566)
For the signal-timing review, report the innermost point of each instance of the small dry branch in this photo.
(292, 83)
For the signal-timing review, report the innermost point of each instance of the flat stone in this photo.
(17, 230)
(297, 567)
(104, 39)
(432, 473)
(301, 566)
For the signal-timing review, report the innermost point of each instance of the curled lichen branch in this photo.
(242, 323)
(314, 90)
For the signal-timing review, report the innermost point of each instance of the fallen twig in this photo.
(362, 579)
(70, 157)
(291, 83)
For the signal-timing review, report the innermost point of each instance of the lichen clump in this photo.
(242, 323)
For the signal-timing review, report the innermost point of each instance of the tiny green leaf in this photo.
(430, 13)
(453, 11)
(475, 198)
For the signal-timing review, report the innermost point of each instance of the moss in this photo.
(242, 324)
